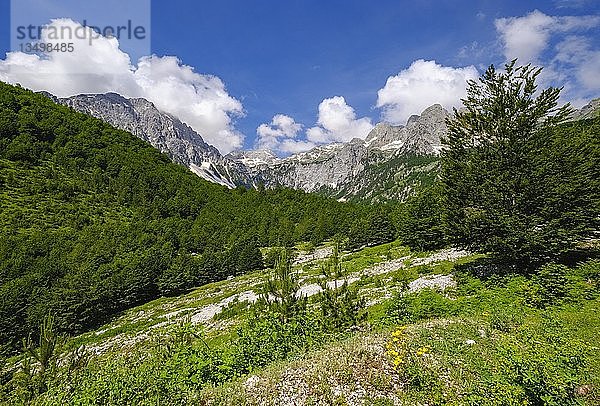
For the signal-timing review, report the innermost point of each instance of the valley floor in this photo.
(434, 335)
(375, 270)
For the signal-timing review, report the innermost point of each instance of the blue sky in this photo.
(287, 58)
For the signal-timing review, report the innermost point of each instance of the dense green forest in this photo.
(94, 220)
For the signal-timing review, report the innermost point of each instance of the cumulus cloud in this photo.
(563, 45)
(419, 86)
(281, 126)
(99, 67)
(279, 135)
(528, 36)
(199, 100)
(525, 37)
(337, 122)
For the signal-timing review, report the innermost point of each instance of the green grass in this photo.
(517, 351)
(144, 317)
(496, 351)
(367, 257)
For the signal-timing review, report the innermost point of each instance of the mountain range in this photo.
(389, 164)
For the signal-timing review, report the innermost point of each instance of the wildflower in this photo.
(422, 351)
(398, 333)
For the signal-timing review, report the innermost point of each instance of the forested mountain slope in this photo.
(93, 220)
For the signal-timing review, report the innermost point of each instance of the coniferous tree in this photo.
(358, 233)
(381, 229)
(498, 178)
(376, 228)
(421, 223)
(281, 293)
(95, 220)
(341, 306)
(44, 353)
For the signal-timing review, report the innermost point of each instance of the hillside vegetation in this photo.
(327, 303)
(432, 332)
(94, 221)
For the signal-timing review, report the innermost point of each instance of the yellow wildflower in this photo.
(422, 351)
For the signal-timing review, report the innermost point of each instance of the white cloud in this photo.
(528, 36)
(101, 67)
(576, 67)
(563, 45)
(525, 37)
(279, 135)
(199, 100)
(281, 126)
(295, 146)
(588, 71)
(424, 83)
(337, 122)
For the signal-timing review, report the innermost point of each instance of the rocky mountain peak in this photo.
(380, 130)
(590, 110)
(342, 170)
(384, 135)
(435, 110)
(367, 168)
(163, 131)
(253, 158)
(412, 119)
(420, 136)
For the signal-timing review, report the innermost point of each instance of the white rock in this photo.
(439, 282)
